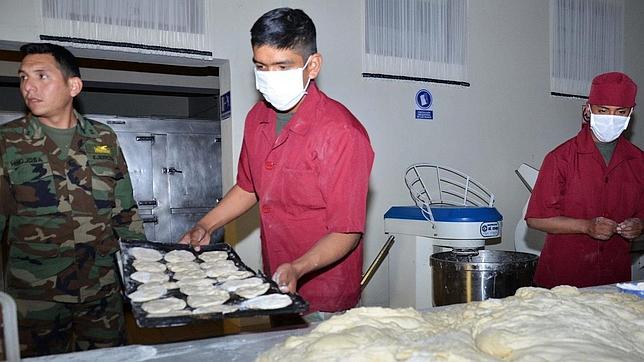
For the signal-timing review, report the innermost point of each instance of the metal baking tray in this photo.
(299, 305)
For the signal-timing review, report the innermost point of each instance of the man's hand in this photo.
(196, 237)
(601, 228)
(286, 278)
(630, 228)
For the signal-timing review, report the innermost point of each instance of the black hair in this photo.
(66, 60)
(285, 28)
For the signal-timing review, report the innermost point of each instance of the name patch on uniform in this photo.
(26, 160)
(102, 149)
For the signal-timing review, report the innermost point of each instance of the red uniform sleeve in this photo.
(344, 179)
(548, 191)
(244, 179)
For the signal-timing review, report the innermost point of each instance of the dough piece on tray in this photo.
(183, 266)
(209, 256)
(153, 285)
(148, 266)
(233, 285)
(148, 293)
(190, 274)
(217, 264)
(164, 305)
(220, 297)
(252, 291)
(176, 256)
(174, 313)
(145, 254)
(270, 301)
(195, 281)
(222, 271)
(238, 274)
(201, 290)
(147, 277)
(223, 308)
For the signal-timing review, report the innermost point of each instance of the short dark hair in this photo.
(285, 28)
(66, 60)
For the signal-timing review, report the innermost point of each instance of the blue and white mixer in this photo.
(451, 212)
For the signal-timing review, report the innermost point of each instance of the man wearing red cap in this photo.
(589, 196)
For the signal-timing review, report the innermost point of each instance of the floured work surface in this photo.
(173, 285)
(562, 324)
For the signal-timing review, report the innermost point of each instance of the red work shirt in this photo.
(574, 181)
(312, 180)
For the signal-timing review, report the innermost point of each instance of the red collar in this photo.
(301, 120)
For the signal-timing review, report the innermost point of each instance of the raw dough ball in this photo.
(252, 291)
(177, 256)
(145, 254)
(165, 305)
(270, 301)
(147, 277)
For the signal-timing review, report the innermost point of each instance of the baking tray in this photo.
(299, 305)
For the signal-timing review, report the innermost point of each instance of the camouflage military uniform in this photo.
(64, 216)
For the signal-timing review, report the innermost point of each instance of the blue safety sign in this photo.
(424, 102)
(224, 105)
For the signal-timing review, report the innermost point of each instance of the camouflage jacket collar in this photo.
(35, 130)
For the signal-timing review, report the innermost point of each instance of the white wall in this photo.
(504, 118)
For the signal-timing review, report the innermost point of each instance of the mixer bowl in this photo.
(460, 278)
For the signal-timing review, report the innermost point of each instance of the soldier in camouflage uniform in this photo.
(66, 198)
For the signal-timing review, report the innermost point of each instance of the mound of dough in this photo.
(220, 297)
(145, 254)
(561, 324)
(270, 301)
(252, 291)
(147, 293)
(209, 256)
(165, 305)
(148, 277)
(224, 308)
(177, 256)
(149, 266)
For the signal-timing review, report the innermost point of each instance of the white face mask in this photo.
(282, 88)
(608, 127)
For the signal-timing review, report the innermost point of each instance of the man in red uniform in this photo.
(307, 160)
(589, 196)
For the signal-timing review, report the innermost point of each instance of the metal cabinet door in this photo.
(194, 179)
(194, 170)
(142, 151)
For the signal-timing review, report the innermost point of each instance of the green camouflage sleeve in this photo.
(125, 217)
(4, 196)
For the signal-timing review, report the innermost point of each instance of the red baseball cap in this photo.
(613, 89)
